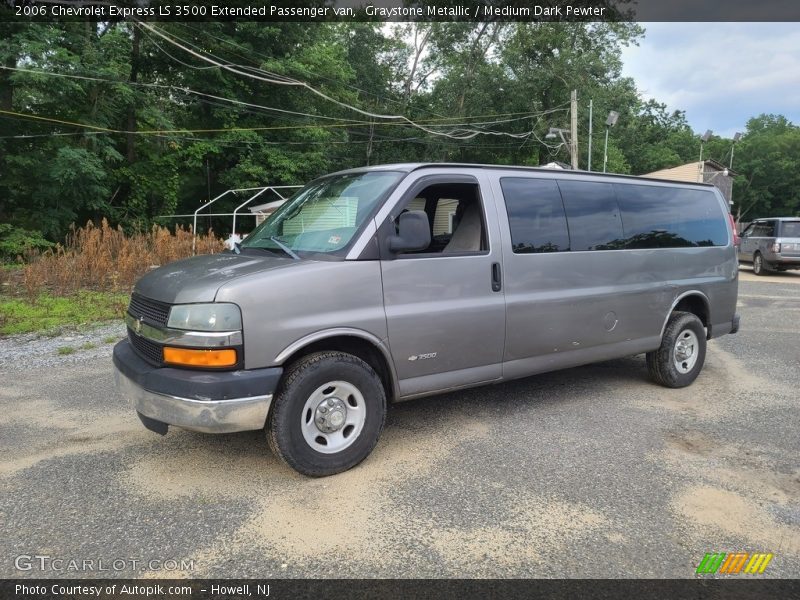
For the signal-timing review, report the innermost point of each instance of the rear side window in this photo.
(790, 229)
(668, 217)
(763, 229)
(535, 215)
(592, 215)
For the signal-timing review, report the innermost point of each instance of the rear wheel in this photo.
(759, 264)
(327, 415)
(680, 358)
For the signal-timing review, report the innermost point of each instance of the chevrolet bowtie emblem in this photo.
(138, 326)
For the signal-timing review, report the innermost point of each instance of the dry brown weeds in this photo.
(106, 259)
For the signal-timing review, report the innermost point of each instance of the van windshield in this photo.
(324, 216)
(790, 229)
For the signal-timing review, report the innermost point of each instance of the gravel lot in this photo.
(591, 472)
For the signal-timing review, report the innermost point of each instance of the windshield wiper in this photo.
(284, 247)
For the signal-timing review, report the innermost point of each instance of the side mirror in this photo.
(414, 232)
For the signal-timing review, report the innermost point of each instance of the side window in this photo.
(455, 214)
(748, 231)
(535, 215)
(671, 217)
(790, 229)
(762, 229)
(592, 215)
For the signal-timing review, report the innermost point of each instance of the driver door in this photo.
(445, 307)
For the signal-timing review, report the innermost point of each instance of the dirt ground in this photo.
(590, 472)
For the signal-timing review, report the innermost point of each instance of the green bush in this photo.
(15, 241)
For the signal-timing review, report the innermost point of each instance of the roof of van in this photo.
(409, 167)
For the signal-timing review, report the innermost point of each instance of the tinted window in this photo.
(765, 229)
(535, 215)
(592, 215)
(790, 229)
(668, 217)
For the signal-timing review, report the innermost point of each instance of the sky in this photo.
(721, 74)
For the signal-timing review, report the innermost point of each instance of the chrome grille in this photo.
(150, 311)
(147, 349)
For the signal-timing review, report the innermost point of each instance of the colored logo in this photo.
(734, 563)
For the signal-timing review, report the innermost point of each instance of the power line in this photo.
(170, 87)
(456, 134)
(298, 67)
(99, 128)
(240, 144)
(168, 131)
(430, 122)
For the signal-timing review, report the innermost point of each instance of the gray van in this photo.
(392, 282)
(771, 244)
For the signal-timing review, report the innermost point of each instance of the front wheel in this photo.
(679, 359)
(327, 415)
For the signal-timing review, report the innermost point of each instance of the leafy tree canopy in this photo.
(111, 120)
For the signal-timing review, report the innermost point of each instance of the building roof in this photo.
(690, 171)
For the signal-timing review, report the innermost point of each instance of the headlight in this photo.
(205, 317)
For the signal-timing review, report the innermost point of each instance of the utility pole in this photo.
(589, 166)
(573, 138)
(736, 137)
(369, 143)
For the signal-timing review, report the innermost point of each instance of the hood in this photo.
(197, 279)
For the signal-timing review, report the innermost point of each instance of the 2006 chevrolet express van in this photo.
(386, 283)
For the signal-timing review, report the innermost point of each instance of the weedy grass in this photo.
(64, 350)
(89, 277)
(47, 313)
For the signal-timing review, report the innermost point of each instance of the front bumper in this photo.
(207, 401)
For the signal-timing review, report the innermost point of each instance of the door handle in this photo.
(497, 282)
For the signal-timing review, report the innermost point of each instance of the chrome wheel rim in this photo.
(333, 417)
(757, 264)
(684, 355)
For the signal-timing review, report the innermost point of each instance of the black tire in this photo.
(759, 264)
(284, 425)
(661, 364)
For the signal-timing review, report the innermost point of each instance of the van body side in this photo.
(516, 271)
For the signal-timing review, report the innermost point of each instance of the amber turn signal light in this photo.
(200, 358)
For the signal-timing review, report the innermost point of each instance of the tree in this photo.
(767, 156)
(113, 120)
